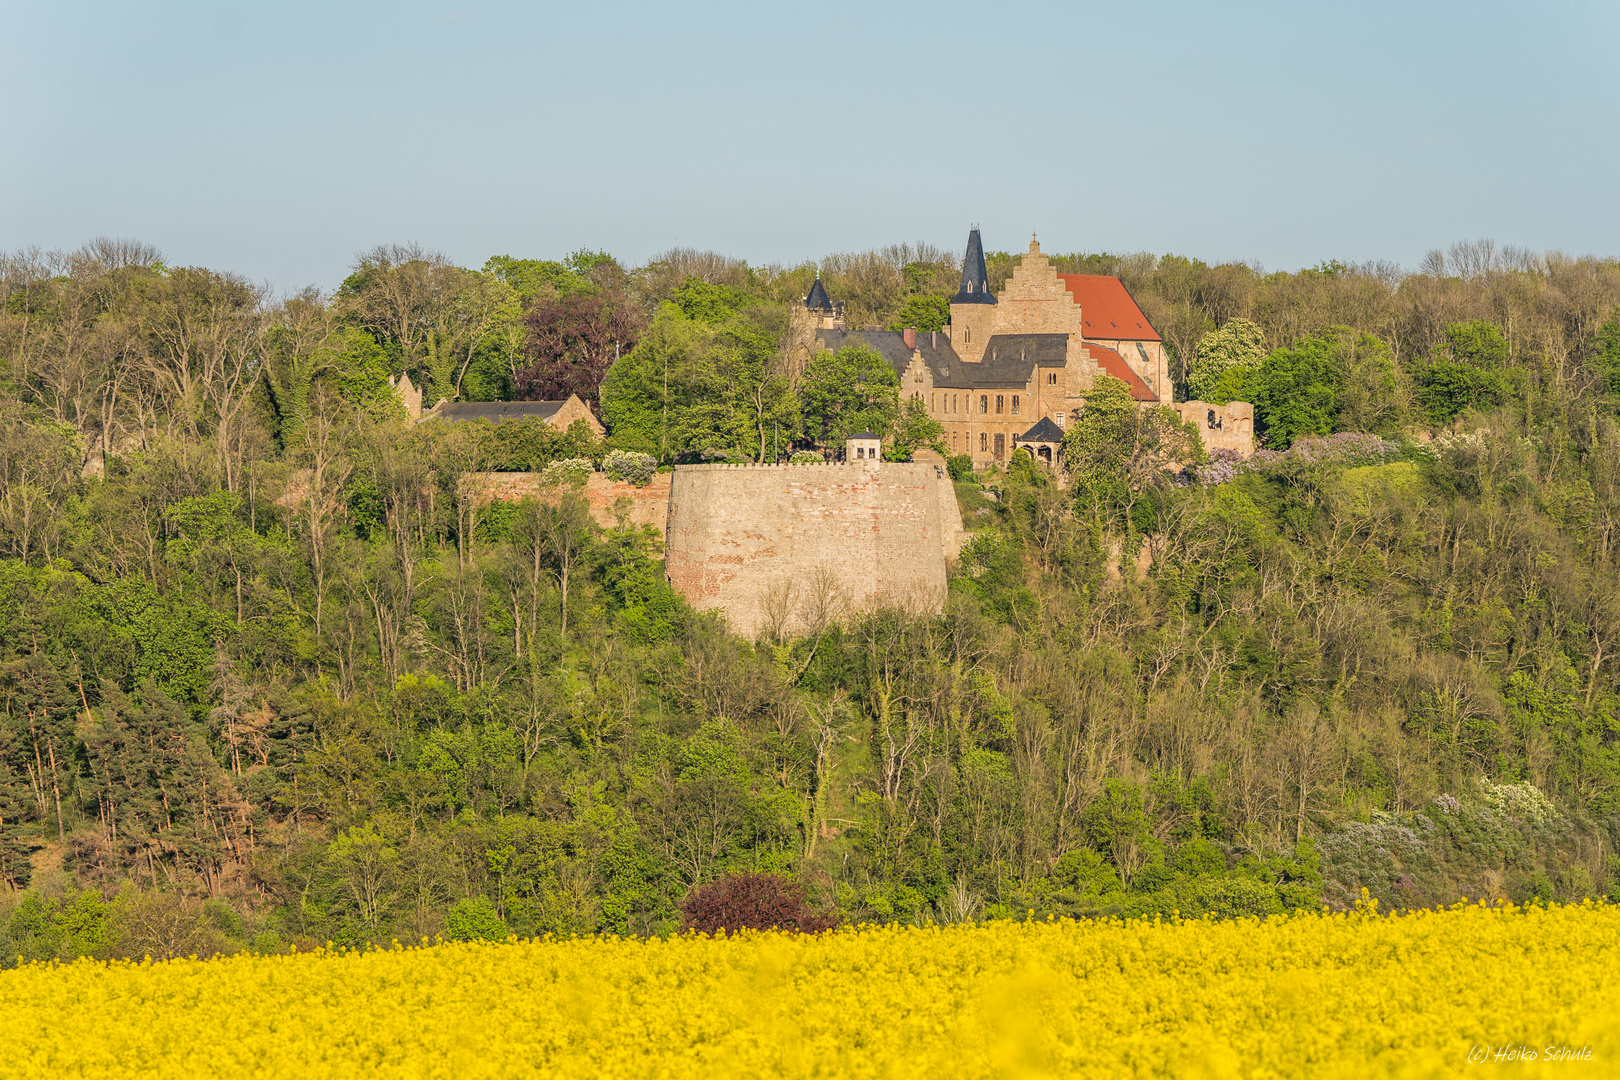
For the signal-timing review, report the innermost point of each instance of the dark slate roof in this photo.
(1009, 359)
(975, 281)
(817, 300)
(1047, 350)
(935, 348)
(496, 412)
(1045, 431)
(863, 435)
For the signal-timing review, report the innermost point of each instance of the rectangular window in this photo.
(1001, 447)
(1015, 404)
(1001, 404)
(984, 404)
(984, 442)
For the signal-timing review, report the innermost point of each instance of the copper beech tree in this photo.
(752, 902)
(573, 340)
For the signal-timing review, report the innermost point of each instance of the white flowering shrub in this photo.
(567, 471)
(630, 467)
(1517, 802)
(806, 457)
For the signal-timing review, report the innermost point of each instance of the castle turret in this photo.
(973, 308)
(817, 312)
(822, 310)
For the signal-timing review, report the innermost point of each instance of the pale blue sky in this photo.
(280, 139)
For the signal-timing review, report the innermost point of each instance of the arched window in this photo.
(967, 335)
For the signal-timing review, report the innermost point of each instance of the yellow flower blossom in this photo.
(1317, 995)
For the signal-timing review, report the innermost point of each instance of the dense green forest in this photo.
(269, 677)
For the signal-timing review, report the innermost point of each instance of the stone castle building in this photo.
(1013, 370)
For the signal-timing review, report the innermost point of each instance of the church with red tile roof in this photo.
(1013, 370)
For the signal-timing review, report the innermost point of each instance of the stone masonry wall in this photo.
(648, 505)
(1224, 427)
(779, 547)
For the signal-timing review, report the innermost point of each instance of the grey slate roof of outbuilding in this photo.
(864, 435)
(496, 412)
(1045, 431)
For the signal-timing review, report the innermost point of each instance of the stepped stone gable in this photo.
(1036, 301)
(776, 546)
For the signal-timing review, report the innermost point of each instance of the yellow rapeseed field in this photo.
(1314, 995)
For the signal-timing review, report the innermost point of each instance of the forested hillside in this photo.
(268, 675)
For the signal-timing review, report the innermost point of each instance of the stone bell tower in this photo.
(973, 308)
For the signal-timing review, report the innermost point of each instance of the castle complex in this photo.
(1014, 370)
(782, 549)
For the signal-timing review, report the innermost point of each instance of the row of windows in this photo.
(961, 443)
(955, 403)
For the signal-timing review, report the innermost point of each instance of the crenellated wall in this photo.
(779, 547)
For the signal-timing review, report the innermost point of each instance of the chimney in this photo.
(910, 335)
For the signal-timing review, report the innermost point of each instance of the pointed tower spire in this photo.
(975, 281)
(818, 300)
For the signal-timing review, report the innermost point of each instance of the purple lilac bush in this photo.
(1348, 448)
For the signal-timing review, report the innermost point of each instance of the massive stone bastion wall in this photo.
(784, 547)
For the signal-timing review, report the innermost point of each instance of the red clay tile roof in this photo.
(1114, 364)
(1107, 309)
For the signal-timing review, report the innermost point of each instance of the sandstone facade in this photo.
(1030, 355)
(779, 548)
